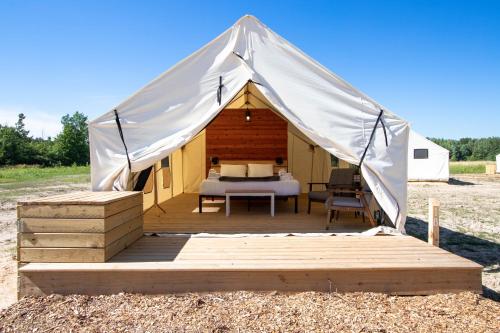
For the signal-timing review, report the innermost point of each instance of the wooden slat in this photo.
(62, 240)
(55, 255)
(401, 282)
(229, 136)
(123, 243)
(61, 211)
(82, 198)
(78, 254)
(83, 240)
(80, 210)
(290, 253)
(124, 229)
(78, 225)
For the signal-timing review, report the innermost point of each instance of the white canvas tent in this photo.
(172, 109)
(498, 163)
(427, 161)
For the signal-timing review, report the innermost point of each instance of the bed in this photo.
(212, 187)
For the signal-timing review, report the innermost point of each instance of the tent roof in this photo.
(419, 141)
(173, 108)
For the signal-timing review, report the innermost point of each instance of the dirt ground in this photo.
(8, 229)
(470, 227)
(469, 221)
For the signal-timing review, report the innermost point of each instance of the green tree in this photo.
(471, 149)
(15, 144)
(71, 146)
(44, 152)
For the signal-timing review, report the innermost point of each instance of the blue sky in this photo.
(435, 63)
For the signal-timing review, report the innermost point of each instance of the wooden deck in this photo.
(179, 218)
(390, 264)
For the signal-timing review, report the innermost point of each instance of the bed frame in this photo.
(276, 168)
(278, 197)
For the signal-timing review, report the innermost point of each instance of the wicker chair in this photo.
(340, 179)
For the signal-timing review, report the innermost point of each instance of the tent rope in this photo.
(379, 119)
(117, 119)
(219, 90)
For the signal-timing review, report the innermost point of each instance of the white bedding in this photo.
(281, 187)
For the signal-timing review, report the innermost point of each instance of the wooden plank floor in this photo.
(389, 264)
(179, 218)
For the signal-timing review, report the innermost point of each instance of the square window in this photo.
(420, 154)
(165, 163)
(334, 161)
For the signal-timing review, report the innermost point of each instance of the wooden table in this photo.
(248, 193)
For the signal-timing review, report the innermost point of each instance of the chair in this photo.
(339, 179)
(358, 204)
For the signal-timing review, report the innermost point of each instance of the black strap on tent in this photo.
(379, 119)
(142, 179)
(255, 82)
(238, 55)
(385, 133)
(219, 90)
(250, 80)
(123, 139)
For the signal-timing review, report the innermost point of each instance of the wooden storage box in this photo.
(490, 169)
(78, 227)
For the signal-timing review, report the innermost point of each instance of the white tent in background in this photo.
(427, 161)
(171, 110)
(498, 163)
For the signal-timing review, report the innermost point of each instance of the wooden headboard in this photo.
(230, 138)
(276, 167)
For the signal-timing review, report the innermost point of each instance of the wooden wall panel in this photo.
(230, 137)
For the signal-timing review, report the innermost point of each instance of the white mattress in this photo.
(281, 187)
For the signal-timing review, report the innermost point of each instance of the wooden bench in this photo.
(248, 193)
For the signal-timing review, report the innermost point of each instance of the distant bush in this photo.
(468, 149)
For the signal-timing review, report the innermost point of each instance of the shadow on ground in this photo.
(481, 251)
(454, 181)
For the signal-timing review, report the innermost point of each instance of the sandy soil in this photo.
(8, 230)
(470, 221)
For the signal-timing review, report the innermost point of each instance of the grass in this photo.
(25, 176)
(470, 167)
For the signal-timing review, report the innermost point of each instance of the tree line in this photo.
(69, 147)
(470, 149)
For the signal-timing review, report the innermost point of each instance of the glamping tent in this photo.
(498, 163)
(427, 161)
(175, 108)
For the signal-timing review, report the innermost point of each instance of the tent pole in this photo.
(155, 189)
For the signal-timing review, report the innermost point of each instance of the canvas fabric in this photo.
(172, 109)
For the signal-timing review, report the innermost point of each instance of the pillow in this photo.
(260, 170)
(233, 170)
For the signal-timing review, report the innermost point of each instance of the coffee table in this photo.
(248, 193)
